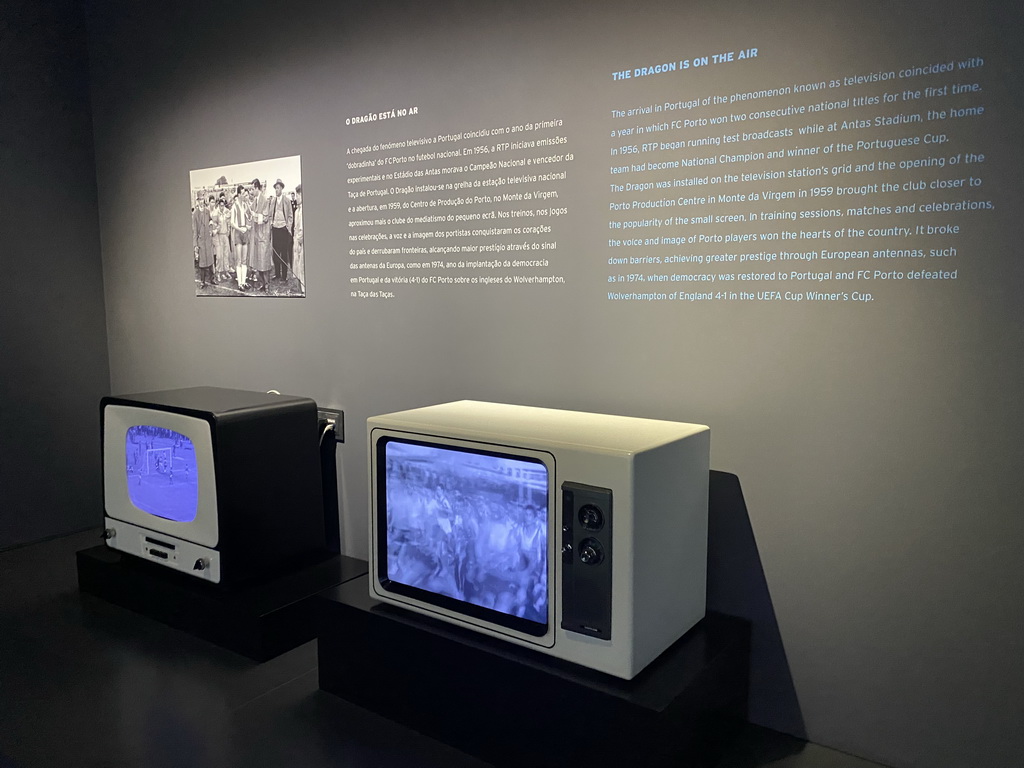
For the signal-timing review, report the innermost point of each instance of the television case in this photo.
(653, 477)
(260, 506)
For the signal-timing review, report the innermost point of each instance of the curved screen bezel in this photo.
(449, 606)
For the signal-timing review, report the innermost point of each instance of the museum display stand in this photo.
(512, 706)
(258, 619)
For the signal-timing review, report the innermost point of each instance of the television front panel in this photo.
(583, 536)
(158, 471)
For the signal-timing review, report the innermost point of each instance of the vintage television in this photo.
(221, 484)
(580, 535)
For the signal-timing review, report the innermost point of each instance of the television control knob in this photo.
(108, 534)
(566, 548)
(591, 552)
(201, 564)
(591, 517)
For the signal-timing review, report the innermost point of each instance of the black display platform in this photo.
(512, 706)
(259, 620)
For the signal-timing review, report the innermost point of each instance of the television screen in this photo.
(161, 472)
(469, 526)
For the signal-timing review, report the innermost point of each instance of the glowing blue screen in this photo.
(161, 468)
(470, 526)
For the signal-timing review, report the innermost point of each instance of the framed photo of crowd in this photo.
(247, 234)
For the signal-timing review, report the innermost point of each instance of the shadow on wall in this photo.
(737, 586)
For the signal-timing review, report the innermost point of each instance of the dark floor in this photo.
(86, 684)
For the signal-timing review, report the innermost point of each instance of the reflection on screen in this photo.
(161, 468)
(470, 526)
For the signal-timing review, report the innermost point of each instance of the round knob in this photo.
(591, 552)
(201, 564)
(109, 533)
(591, 517)
(566, 548)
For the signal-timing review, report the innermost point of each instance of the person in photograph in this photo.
(240, 223)
(201, 241)
(299, 262)
(216, 256)
(250, 199)
(260, 256)
(225, 256)
(228, 200)
(281, 219)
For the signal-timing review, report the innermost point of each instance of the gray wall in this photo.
(53, 346)
(874, 533)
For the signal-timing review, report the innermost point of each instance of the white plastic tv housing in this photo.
(626, 525)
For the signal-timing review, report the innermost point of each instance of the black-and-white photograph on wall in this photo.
(247, 236)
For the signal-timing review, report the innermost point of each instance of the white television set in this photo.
(580, 535)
